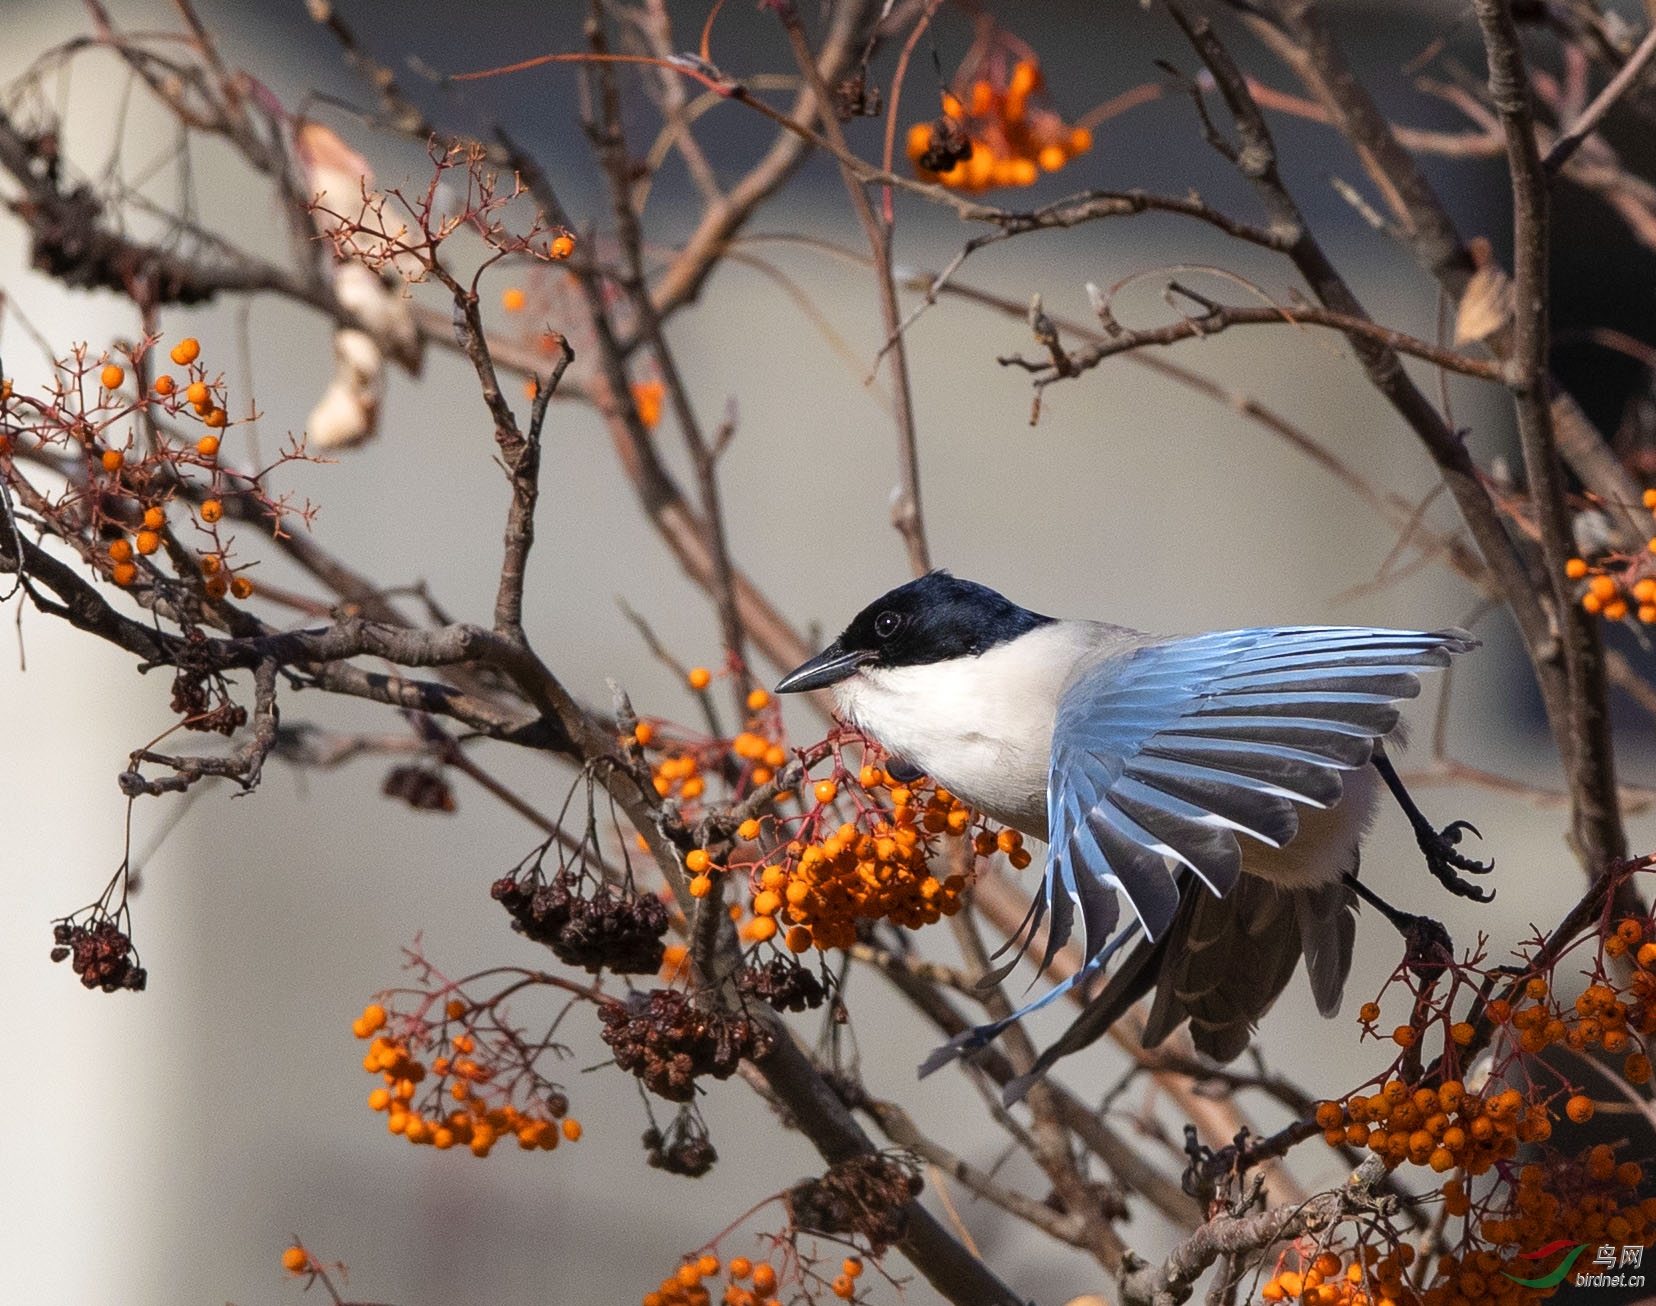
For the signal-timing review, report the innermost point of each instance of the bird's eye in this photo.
(885, 625)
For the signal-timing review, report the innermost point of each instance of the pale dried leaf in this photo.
(1486, 306)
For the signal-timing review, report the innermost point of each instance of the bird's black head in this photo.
(933, 619)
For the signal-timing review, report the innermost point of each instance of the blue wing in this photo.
(1162, 756)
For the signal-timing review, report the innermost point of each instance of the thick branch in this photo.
(1583, 727)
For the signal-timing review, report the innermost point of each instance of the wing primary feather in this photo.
(980, 1036)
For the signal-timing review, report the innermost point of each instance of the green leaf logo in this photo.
(1557, 1276)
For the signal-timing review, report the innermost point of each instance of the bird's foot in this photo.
(1427, 948)
(1442, 859)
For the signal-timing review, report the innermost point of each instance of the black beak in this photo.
(828, 667)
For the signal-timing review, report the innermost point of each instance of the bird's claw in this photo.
(1443, 861)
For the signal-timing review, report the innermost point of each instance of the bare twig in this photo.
(1584, 126)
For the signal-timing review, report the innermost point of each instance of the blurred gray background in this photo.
(164, 1148)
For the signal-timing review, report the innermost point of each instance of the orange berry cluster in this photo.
(870, 869)
(1445, 1128)
(476, 1116)
(679, 770)
(134, 476)
(1603, 1016)
(1589, 1199)
(997, 131)
(746, 1284)
(1369, 1279)
(1618, 584)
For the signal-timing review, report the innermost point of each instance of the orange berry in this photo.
(295, 1259)
(1602, 588)
(186, 351)
(1329, 1114)
(696, 861)
(825, 791)
(1649, 498)
(1575, 568)
(154, 518)
(212, 510)
(561, 247)
(120, 550)
(740, 1267)
(241, 587)
(111, 377)
(1615, 610)
(1579, 1108)
(1369, 1012)
(112, 460)
(198, 394)
(124, 573)
(767, 903)
(762, 929)
(700, 886)
(1461, 1031)
(1636, 1069)
(217, 587)
(148, 541)
(699, 678)
(764, 1279)
(209, 565)
(797, 939)
(843, 1287)
(758, 700)
(165, 385)
(512, 300)
(571, 1129)
(748, 829)
(208, 445)
(215, 417)
(1404, 1036)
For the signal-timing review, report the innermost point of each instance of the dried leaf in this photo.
(1486, 306)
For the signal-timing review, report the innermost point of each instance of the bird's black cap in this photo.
(934, 619)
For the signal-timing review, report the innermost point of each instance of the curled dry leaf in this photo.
(1486, 306)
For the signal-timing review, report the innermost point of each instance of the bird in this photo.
(1222, 782)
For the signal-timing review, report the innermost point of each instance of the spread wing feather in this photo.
(1161, 757)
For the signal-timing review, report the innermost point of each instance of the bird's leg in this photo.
(1428, 947)
(1438, 845)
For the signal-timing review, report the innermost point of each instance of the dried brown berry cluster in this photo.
(669, 1043)
(423, 790)
(786, 985)
(102, 955)
(608, 931)
(196, 686)
(684, 1149)
(865, 1197)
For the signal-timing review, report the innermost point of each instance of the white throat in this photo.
(980, 726)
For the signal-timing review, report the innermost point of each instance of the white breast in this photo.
(980, 726)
